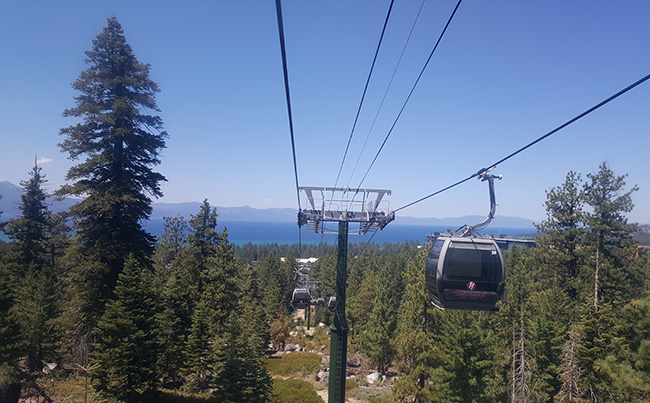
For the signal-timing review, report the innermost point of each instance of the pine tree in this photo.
(240, 348)
(172, 242)
(9, 339)
(177, 297)
(274, 280)
(564, 233)
(35, 309)
(521, 368)
(219, 280)
(209, 258)
(31, 269)
(570, 369)
(120, 144)
(377, 334)
(29, 230)
(174, 323)
(203, 231)
(274, 297)
(362, 283)
(608, 225)
(475, 354)
(127, 349)
(200, 367)
(422, 376)
(202, 243)
(243, 376)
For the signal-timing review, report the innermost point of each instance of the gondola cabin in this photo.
(300, 298)
(465, 273)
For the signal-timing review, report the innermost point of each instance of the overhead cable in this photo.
(365, 89)
(381, 105)
(532, 143)
(278, 8)
(411, 92)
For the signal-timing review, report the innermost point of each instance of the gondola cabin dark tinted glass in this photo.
(465, 273)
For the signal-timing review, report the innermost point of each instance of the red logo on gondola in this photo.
(471, 286)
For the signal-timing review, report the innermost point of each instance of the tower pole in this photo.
(339, 334)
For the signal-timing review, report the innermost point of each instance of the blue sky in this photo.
(505, 73)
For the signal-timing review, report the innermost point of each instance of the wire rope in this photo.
(399, 61)
(411, 92)
(278, 8)
(365, 90)
(532, 143)
(285, 70)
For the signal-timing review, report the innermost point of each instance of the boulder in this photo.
(374, 377)
(323, 376)
(292, 347)
(48, 367)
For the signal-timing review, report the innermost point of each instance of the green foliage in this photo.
(324, 271)
(626, 369)
(35, 309)
(9, 384)
(295, 364)
(294, 391)
(423, 376)
(474, 354)
(564, 234)
(276, 284)
(120, 145)
(575, 326)
(170, 245)
(243, 376)
(382, 288)
(174, 321)
(9, 330)
(28, 270)
(29, 230)
(371, 395)
(82, 304)
(175, 396)
(127, 349)
(199, 370)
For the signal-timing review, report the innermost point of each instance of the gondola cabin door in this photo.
(465, 273)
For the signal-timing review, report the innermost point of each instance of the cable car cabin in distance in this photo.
(301, 298)
(465, 273)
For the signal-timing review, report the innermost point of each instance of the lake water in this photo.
(283, 232)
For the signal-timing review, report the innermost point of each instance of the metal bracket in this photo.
(470, 230)
(345, 204)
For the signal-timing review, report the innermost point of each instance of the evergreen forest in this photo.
(93, 308)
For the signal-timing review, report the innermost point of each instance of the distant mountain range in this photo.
(11, 196)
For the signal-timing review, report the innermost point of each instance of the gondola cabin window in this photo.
(472, 262)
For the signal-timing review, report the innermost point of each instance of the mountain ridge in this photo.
(11, 197)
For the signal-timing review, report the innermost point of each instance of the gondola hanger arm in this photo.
(470, 230)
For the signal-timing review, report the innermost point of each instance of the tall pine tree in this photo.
(119, 143)
(605, 193)
(32, 273)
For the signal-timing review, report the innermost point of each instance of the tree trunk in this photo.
(596, 276)
(514, 363)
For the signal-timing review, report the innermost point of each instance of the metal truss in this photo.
(363, 206)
